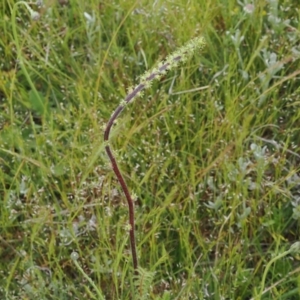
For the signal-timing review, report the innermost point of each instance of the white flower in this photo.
(34, 15)
(249, 8)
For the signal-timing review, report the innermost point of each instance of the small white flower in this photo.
(123, 102)
(249, 8)
(34, 15)
(128, 227)
(74, 255)
(134, 196)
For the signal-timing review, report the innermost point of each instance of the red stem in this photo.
(113, 161)
(129, 202)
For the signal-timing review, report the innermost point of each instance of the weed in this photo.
(146, 80)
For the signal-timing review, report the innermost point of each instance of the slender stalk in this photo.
(294, 249)
(74, 257)
(34, 16)
(171, 62)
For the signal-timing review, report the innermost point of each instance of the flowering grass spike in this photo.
(172, 61)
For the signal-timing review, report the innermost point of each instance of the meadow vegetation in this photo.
(211, 151)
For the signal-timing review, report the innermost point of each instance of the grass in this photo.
(211, 151)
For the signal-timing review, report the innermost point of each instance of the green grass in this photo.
(212, 151)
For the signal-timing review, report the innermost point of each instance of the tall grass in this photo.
(211, 151)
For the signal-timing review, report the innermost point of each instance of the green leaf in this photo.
(37, 102)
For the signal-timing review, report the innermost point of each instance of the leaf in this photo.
(37, 102)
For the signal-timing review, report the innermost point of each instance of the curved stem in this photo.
(114, 163)
(171, 62)
(130, 205)
(120, 177)
(281, 255)
(294, 249)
